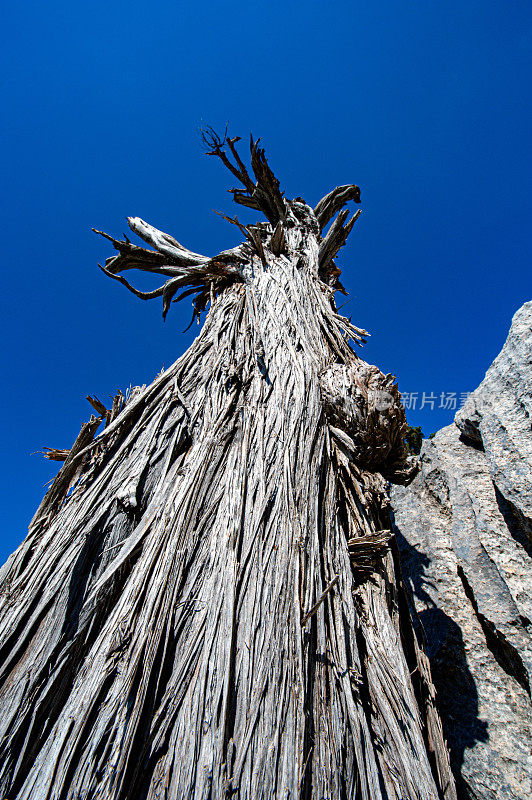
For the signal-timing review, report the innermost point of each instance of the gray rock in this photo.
(462, 528)
(499, 415)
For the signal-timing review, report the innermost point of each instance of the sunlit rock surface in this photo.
(464, 527)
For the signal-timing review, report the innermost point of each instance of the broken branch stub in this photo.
(334, 201)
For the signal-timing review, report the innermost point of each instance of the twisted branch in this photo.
(264, 195)
(336, 238)
(205, 276)
(334, 201)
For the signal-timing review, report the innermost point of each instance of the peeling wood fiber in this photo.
(208, 604)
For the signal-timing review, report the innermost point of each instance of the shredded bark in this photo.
(206, 602)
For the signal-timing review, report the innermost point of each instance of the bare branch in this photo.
(305, 618)
(68, 473)
(336, 237)
(165, 243)
(251, 232)
(97, 405)
(334, 201)
(263, 196)
(234, 221)
(257, 241)
(246, 180)
(170, 289)
(215, 147)
(142, 295)
(244, 199)
(55, 455)
(133, 257)
(267, 192)
(212, 140)
(188, 268)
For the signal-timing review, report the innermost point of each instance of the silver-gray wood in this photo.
(208, 603)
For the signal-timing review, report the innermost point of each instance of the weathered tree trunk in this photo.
(208, 601)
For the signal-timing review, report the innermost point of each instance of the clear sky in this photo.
(423, 103)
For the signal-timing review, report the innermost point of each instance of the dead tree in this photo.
(208, 603)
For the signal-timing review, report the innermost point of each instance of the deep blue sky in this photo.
(426, 105)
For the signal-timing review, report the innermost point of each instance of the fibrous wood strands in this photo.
(208, 602)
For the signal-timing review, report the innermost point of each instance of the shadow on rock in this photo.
(457, 696)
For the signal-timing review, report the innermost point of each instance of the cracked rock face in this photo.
(463, 528)
(499, 416)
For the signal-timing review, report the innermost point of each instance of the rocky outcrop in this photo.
(498, 417)
(463, 527)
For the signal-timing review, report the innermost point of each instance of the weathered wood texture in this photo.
(208, 603)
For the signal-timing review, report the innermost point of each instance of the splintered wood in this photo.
(208, 604)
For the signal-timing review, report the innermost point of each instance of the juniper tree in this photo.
(208, 603)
